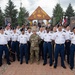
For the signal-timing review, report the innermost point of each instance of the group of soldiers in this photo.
(38, 42)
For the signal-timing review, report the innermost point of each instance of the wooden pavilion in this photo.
(39, 14)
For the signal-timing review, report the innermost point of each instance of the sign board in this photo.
(72, 22)
(7, 20)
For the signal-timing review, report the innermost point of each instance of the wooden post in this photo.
(47, 22)
(30, 23)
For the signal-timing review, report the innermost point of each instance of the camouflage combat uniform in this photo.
(34, 40)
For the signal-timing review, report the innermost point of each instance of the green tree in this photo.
(69, 12)
(1, 18)
(57, 13)
(11, 12)
(23, 15)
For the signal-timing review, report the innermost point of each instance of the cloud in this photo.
(25, 3)
(65, 3)
(46, 5)
(2, 4)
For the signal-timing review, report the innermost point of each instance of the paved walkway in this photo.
(33, 69)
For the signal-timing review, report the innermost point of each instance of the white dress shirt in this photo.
(72, 37)
(29, 34)
(18, 31)
(8, 32)
(47, 37)
(59, 37)
(68, 33)
(23, 38)
(40, 34)
(14, 37)
(3, 39)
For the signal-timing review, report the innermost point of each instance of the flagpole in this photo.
(59, 1)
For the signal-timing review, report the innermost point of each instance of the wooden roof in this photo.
(39, 14)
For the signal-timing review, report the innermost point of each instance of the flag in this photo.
(64, 21)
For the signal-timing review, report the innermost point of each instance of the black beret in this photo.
(59, 25)
(47, 27)
(14, 28)
(22, 29)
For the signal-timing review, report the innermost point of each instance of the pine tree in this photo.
(58, 13)
(69, 12)
(11, 12)
(23, 15)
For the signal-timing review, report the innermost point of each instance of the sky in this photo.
(46, 5)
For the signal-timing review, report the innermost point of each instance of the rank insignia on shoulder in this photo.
(64, 31)
(5, 33)
(71, 33)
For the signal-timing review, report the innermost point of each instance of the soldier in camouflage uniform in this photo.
(34, 40)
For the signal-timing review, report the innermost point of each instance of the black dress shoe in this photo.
(71, 68)
(9, 63)
(0, 65)
(64, 67)
(20, 62)
(44, 64)
(55, 66)
(50, 65)
(26, 62)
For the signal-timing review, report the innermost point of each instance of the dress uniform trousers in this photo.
(53, 49)
(28, 50)
(15, 49)
(59, 49)
(67, 50)
(9, 44)
(47, 48)
(23, 50)
(4, 48)
(41, 50)
(72, 49)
